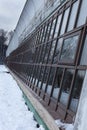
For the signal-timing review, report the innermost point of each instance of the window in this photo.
(40, 77)
(84, 53)
(57, 51)
(72, 16)
(44, 34)
(50, 80)
(48, 31)
(51, 51)
(57, 25)
(57, 83)
(66, 86)
(82, 14)
(52, 28)
(64, 21)
(44, 80)
(46, 52)
(77, 90)
(42, 53)
(69, 49)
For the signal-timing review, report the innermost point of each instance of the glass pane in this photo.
(51, 51)
(46, 52)
(57, 26)
(66, 86)
(69, 49)
(83, 14)
(57, 83)
(37, 74)
(42, 54)
(84, 54)
(65, 17)
(48, 32)
(44, 33)
(50, 81)
(77, 90)
(52, 28)
(45, 78)
(72, 16)
(58, 50)
(41, 73)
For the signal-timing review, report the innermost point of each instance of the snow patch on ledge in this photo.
(66, 126)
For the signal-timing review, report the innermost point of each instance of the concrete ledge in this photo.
(43, 113)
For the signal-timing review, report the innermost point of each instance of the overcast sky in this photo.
(10, 11)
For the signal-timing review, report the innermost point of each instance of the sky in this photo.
(10, 11)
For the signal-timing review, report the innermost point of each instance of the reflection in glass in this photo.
(57, 83)
(51, 51)
(82, 14)
(57, 26)
(44, 33)
(37, 75)
(64, 21)
(58, 50)
(48, 32)
(45, 78)
(69, 49)
(77, 90)
(46, 52)
(72, 16)
(66, 86)
(42, 54)
(52, 28)
(50, 80)
(84, 53)
(40, 76)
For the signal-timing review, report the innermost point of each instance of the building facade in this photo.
(52, 59)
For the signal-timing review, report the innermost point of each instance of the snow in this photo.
(64, 125)
(14, 114)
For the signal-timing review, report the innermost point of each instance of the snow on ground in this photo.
(14, 114)
(64, 125)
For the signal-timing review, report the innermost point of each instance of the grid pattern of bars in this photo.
(49, 60)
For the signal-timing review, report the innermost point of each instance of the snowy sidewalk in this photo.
(14, 114)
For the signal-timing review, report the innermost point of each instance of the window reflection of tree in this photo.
(57, 82)
(66, 86)
(58, 50)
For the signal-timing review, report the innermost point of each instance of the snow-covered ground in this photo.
(14, 114)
